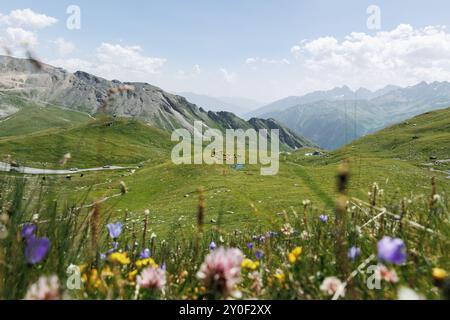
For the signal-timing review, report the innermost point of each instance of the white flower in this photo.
(404, 293)
(46, 288)
(330, 285)
(287, 229)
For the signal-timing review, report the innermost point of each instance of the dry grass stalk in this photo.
(95, 230)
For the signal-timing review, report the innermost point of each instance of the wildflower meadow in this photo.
(384, 247)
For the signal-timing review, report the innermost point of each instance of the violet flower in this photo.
(145, 254)
(36, 249)
(114, 229)
(392, 250)
(28, 230)
(354, 253)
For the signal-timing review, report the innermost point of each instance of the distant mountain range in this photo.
(236, 105)
(338, 116)
(336, 94)
(82, 91)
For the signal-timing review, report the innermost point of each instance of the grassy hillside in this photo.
(100, 142)
(417, 139)
(32, 117)
(237, 197)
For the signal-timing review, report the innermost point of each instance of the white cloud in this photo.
(63, 46)
(27, 18)
(266, 61)
(114, 57)
(17, 37)
(229, 77)
(114, 61)
(401, 56)
(183, 75)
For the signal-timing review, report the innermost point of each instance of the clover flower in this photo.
(152, 278)
(46, 288)
(221, 270)
(383, 273)
(287, 229)
(330, 285)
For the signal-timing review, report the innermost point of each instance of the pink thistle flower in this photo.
(221, 270)
(383, 273)
(152, 278)
(46, 288)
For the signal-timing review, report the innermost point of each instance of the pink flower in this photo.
(330, 285)
(383, 273)
(152, 278)
(46, 288)
(221, 270)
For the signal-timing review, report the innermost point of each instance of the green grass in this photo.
(239, 205)
(238, 198)
(100, 142)
(33, 117)
(418, 139)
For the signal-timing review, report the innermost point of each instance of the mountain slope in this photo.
(333, 123)
(19, 116)
(417, 139)
(96, 143)
(336, 94)
(330, 124)
(85, 92)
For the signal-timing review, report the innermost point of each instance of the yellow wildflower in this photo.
(294, 255)
(132, 275)
(106, 272)
(146, 263)
(94, 279)
(280, 276)
(439, 274)
(249, 264)
(120, 258)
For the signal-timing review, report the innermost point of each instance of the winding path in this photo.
(6, 167)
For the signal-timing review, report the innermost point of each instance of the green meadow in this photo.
(236, 204)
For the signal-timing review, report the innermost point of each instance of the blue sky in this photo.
(242, 48)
